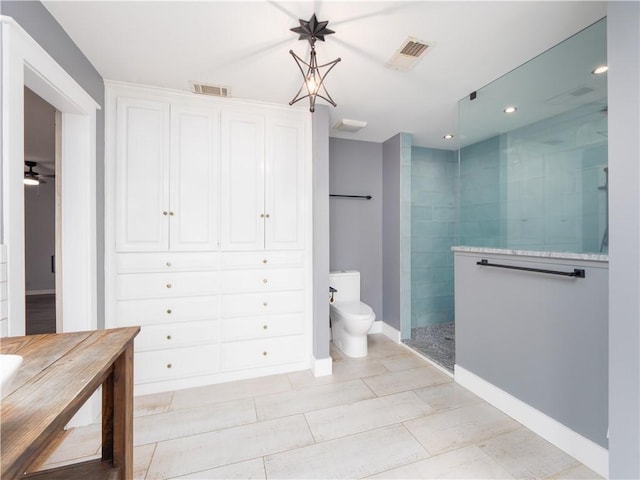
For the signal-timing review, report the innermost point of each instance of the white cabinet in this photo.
(263, 163)
(207, 208)
(166, 177)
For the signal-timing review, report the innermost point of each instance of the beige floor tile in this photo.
(447, 396)
(445, 431)
(355, 456)
(313, 398)
(365, 415)
(225, 392)
(405, 380)
(190, 421)
(152, 403)
(343, 370)
(526, 455)
(468, 462)
(403, 361)
(579, 472)
(380, 346)
(196, 453)
(79, 443)
(141, 460)
(251, 469)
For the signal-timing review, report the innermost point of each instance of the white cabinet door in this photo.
(194, 179)
(142, 175)
(242, 185)
(284, 180)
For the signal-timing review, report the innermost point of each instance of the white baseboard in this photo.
(40, 292)
(582, 449)
(322, 366)
(391, 332)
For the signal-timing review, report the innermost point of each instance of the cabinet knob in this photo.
(262, 215)
(168, 337)
(265, 327)
(168, 311)
(168, 365)
(165, 213)
(264, 260)
(267, 215)
(264, 280)
(168, 264)
(171, 214)
(168, 285)
(264, 354)
(264, 304)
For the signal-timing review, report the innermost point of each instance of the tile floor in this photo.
(390, 415)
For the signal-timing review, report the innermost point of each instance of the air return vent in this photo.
(212, 90)
(411, 50)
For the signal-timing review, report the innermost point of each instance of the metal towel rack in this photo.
(577, 272)
(366, 197)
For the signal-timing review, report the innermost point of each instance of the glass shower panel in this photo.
(537, 179)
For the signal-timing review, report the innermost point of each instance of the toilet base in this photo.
(354, 347)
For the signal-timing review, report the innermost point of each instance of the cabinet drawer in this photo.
(175, 363)
(262, 353)
(251, 304)
(161, 285)
(165, 310)
(174, 335)
(166, 262)
(266, 326)
(265, 280)
(266, 259)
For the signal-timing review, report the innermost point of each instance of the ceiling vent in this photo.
(346, 125)
(212, 90)
(409, 53)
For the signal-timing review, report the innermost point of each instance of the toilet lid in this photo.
(354, 309)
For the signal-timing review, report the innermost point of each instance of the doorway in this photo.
(41, 213)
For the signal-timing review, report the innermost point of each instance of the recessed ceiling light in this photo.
(510, 109)
(600, 69)
(448, 136)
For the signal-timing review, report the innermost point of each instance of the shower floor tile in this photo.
(436, 342)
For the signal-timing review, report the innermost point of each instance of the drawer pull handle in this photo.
(264, 260)
(265, 327)
(264, 354)
(265, 280)
(168, 285)
(168, 264)
(168, 337)
(168, 311)
(165, 213)
(265, 304)
(168, 365)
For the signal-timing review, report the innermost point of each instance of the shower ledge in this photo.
(594, 257)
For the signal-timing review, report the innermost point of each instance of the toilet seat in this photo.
(355, 310)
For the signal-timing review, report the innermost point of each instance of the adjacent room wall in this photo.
(36, 20)
(623, 52)
(355, 168)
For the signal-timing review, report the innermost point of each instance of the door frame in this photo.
(26, 63)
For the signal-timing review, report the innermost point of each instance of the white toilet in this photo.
(350, 318)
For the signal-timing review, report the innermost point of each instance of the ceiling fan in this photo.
(31, 177)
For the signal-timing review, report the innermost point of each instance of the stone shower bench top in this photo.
(593, 257)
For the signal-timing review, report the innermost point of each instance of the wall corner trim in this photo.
(322, 366)
(582, 449)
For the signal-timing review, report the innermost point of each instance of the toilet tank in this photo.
(347, 282)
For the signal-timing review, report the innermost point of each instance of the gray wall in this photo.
(391, 156)
(542, 338)
(623, 51)
(355, 168)
(42, 26)
(321, 331)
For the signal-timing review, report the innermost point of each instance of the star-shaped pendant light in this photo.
(313, 83)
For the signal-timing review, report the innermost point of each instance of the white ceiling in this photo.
(245, 45)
